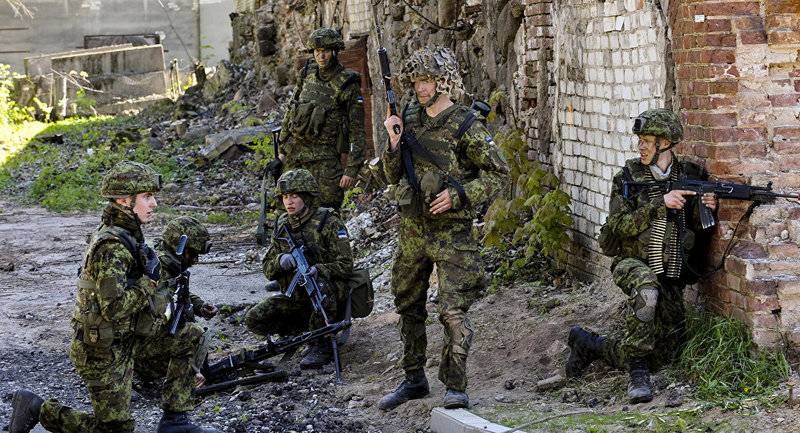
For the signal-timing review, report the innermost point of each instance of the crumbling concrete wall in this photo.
(738, 71)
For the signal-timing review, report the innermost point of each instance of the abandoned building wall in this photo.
(215, 30)
(60, 25)
(738, 75)
(591, 67)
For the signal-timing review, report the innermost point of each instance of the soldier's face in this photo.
(647, 148)
(144, 207)
(425, 90)
(323, 57)
(293, 203)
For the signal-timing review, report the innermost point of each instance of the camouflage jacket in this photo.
(112, 289)
(325, 119)
(473, 160)
(328, 249)
(627, 231)
(170, 269)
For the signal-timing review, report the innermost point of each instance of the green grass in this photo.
(66, 176)
(721, 360)
(238, 218)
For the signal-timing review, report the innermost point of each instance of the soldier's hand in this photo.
(442, 203)
(389, 124)
(709, 200)
(346, 182)
(287, 263)
(676, 199)
(199, 380)
(313, 272)
(208, 311)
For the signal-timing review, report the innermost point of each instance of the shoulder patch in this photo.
(360, 99)
(342, 233)
(489, 140)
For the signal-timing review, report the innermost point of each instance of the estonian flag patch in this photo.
(342, 233)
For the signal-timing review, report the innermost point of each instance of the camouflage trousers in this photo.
(327, 172)
(657, 340)
(450, 246)
(108, 373)
(175, 360)
(282, 315)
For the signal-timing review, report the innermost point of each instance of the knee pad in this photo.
(644, 304)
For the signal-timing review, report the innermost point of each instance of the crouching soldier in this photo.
(327, 250)
(651, 234)
(116, 288)
(176, 359)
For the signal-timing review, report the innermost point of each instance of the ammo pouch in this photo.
(407, 200)
(150, 320)
(317, 120)
(362, 294)
(301, 119)
(93, 329)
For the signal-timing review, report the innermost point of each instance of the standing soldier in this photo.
(177, 359)
(325, 121)
(116, 301)
(327, 249)
(649, 235)
(454, 168)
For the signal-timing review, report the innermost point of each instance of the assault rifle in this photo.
(183, 304)
(224, 374)
(309, 282)
(271, 174)
(722, 190)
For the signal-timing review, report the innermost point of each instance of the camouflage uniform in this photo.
(445, 240)
(328, 249)
(113, 294)
(175, 359)
(325, 120)
(626, 236)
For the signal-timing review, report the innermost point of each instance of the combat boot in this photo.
(414, 386)
(319, 354)
(640, 390)
(178, 422)
(584, 349)
(25, 407)
(455, 399)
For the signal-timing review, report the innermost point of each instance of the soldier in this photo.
(325, 120)
(116, 301)
(177, 359)
(327, 249)
(649, 235)
(453, 170)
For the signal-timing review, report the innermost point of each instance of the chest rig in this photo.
(320, 106)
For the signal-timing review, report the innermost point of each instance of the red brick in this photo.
(797, 85)
(786, 147)
(762, 287)
(723, 87)
(751, 134)
(789, 162)
(698, 88)
(763, 304)
(748, 23)
(719, 102)
(782, 7)
(735, 266)
(718, 25)
(749, 250)
(751, 37)
(727, 151)
(729, 8)
(719, 119)
(787, 21)
(787, 132)
(787, 100)
(762, 320)
(784, 251)
(753, 150)
(784, 37)
(795, 73)
(723, 56)
(722, 135)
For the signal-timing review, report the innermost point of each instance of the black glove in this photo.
(286, 262)
(152, 266)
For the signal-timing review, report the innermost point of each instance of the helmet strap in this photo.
(433, 99)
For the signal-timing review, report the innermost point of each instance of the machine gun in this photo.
(183, 304)
(224, 374)
(722, 190)
(271, 174)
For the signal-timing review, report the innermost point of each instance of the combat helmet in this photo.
(129, 178)
(298, 181)
(325, 37)
(438, 64)
(660, 122)
(198, 239)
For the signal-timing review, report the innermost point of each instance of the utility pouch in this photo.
(430, 185)
(301, 119)
(317, 119)
(152, 317)
(407, 201)
(97, 331)
(362, 294)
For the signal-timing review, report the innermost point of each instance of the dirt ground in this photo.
(520, 338)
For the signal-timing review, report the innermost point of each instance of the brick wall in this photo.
(607, 63)
(738, 79)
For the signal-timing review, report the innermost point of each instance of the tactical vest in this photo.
(320, 110)
(87, 320)
(439, 166)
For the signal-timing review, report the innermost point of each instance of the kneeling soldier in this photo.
(327, 249)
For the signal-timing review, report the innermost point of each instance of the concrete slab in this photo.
(110, 60)
(462, 421)
(41, 64)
